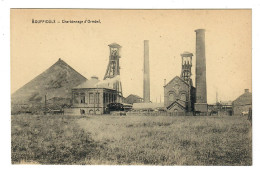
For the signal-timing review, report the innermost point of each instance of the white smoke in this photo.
(108, 82)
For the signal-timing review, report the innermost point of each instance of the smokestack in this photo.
(201, 85)
(146, 91)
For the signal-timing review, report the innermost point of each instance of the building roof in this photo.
(114, 45)
(176, 103)
(177, 78)
(147, 105)
(198, 30)
(186, 54)
(244, 99)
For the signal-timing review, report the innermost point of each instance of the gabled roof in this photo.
(177, 78)
(244, 99)
(174, 103)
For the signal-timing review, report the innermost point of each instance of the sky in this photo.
(37, 46)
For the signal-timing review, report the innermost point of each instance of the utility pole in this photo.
(217, 96)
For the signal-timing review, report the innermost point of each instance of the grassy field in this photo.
(49, 139)
(131, 140)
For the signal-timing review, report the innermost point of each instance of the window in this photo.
(110, 95)
(75, 98)
(183, 97)
(91, 98)
(114, 98)
(82, 98)
(106, 97)
(171, 97)
(97, 98)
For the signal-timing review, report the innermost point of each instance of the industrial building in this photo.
(132, 98)
(93, 96)
(179, 93)
(243, 103)
(180, 96)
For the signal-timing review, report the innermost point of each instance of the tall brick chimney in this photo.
(201, 84)
(146, 91)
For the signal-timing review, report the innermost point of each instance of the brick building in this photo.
(179, 93)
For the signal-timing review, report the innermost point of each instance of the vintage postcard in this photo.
(131, 87)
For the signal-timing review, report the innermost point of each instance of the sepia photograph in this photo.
(147, 87)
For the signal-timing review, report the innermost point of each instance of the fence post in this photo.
(250, 115)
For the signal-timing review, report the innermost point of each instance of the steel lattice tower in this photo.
(113, 68)
(186, 66)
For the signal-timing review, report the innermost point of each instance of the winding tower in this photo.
(113, 69)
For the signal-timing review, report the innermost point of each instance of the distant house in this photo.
(242, 103)
(133, 99)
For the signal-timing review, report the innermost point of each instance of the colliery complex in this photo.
(101, 96)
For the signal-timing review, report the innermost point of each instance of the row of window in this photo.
(172, 98)
(93, 98)
(81, 98)
(109, 98)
